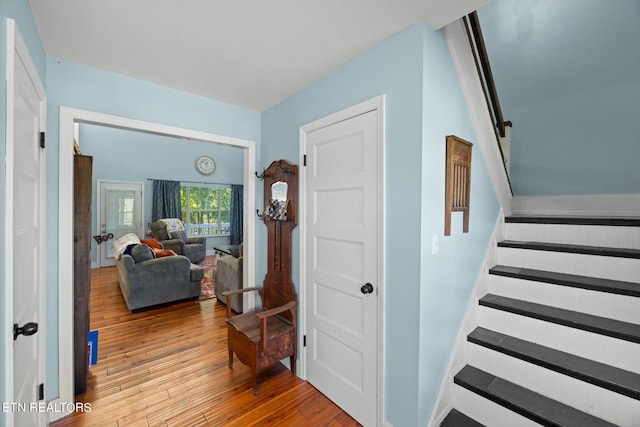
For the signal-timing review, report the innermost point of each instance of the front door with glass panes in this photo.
(119, 212)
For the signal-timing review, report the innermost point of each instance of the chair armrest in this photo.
(200, 240)
(235, 292)
(272, 312)
(264, 315)
(241, 291)
(175, 245)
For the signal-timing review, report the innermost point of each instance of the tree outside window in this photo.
(206, 209)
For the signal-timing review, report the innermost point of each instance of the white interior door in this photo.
(25, 229)
(342, 227)
(120, 213)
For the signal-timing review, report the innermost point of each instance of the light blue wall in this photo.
(393, 68)
(423, 101)
(567, 76)
(423, 105)
(123, 155)
(86, 88)
(19, 11)
(447, 278)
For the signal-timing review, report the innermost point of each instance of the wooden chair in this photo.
(263, 337)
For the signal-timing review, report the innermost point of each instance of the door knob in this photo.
(367, 288)
(26, 330)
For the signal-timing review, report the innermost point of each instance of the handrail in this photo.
(484, 70)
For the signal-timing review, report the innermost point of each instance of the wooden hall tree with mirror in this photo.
(265, 336)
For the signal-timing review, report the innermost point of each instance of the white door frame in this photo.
(70, 116)
(100, 182)
(15, 44)
(377, 103)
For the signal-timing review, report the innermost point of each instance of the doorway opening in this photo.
(69, 117)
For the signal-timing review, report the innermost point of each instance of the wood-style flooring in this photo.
(168, 366)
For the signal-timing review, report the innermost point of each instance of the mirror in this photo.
(277, 208)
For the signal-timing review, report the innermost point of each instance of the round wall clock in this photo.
(205, 165)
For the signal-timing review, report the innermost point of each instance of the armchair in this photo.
(193, 248)
(228, 277)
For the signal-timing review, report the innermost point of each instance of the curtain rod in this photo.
(192, 182)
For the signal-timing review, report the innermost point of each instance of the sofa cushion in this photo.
(130, 248)
(141, 253)
(159, 230)
(196, 273)
(119, 245)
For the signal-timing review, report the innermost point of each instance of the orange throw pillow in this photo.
(152, 243)
(163, 252)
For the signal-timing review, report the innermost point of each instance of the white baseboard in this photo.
(616, 205)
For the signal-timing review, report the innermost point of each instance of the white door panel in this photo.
(25, 248)
(120, 214)
(342, 226)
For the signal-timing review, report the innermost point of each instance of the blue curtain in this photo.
(166, 200)
(237, 201)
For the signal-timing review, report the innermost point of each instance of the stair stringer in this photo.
(459, 353)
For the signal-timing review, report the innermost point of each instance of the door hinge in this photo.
(42, 140)
(304, 160)
(41, 391)
(304, 340)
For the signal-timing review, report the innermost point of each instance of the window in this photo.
(206, 209)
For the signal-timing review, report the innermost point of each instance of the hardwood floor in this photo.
(169, 367)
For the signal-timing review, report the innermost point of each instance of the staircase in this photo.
(558, 336)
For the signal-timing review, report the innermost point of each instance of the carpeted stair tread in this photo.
(575, 249)
(600, 325)
(606, 376)
(457, 419)
(527, 403)
(573, 220)
(571, 280)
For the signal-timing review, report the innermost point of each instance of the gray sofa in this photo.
(228, 277)
(193, 248)
(146, 281)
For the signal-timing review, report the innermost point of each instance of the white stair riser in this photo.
(597, 401)
(590, 235)
(487, 412)
(612, 351)
(626, 269)
(612, 306)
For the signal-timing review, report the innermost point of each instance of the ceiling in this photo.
(250, 53)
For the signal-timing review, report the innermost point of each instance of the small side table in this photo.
(233, 250)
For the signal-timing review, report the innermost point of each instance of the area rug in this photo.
(206, 287)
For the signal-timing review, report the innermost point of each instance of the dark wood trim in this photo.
(486, 71)
(82, 184)
(573, 220)
(573, 249)
(598, 284)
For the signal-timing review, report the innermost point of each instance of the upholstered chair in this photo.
(228, 277)
(176, 240)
